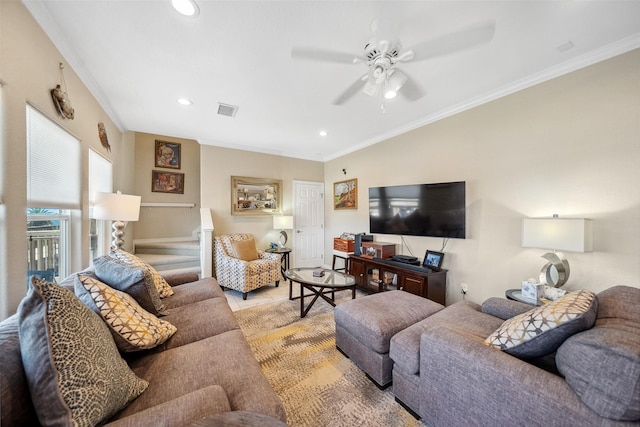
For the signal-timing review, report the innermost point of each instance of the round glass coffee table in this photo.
(329, 283)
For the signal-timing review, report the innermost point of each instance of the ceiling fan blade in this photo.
(315, 54)
(410, 89)
(351, 90)
(455, 42)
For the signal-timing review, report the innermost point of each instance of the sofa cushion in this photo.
(163, 288)
(504, 308)
(16, 408)
(75, 373)
(194, 406)
(542, 330)
(602, 365)
(133, 328)
(189, 293)
(245, 249)
(131, 280)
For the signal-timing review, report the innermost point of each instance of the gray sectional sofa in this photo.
(444, 371)
(205, 368)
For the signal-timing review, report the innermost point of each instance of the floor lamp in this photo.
(558, 234)
(119, 208)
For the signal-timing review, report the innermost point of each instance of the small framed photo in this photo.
(433, 259)
(168, 154)
(167, 182)
(345, 194)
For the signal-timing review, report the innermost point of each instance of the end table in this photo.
(284, 259)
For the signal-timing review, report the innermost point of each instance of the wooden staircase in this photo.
(171, 256)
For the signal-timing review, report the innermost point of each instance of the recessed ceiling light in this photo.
(565, 46)
(185, 101)
(186, 7)
(322, 133)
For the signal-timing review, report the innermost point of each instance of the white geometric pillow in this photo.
(164, 289)
(133, 328)
(541, 331)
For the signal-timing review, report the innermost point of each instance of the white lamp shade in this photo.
(560, 234)
(283, 222)
(116, 207)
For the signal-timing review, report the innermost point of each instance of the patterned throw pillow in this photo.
(130, 279)
(541, 331)
(133, 328)
(75, 373)
(164, 289)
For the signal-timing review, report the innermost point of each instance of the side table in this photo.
(516, 295)
(284, 259)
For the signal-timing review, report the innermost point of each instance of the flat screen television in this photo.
(433, 210)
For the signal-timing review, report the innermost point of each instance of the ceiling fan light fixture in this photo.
(186, 7)
(394, 84)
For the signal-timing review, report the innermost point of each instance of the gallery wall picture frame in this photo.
(167, 182)
(256, 196)
(345, 194)
(167, 155)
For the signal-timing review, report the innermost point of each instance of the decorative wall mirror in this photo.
(255, 196)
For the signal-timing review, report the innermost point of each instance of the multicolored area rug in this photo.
(318, 385)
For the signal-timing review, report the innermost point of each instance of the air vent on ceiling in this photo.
(227, 110)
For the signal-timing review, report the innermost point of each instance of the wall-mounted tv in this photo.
(434, 210)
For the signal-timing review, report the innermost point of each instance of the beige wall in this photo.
(219, 164)
(29, 69)
(570, 146)
(163, 222)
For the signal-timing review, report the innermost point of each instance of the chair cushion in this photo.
(130, 279)
(163, 288)
(133, 328)
(245, 249)
(75, 373)
(541, 331)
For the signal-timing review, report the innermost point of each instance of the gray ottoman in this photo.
(364, 328)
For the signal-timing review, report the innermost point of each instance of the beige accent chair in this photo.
(240, 266)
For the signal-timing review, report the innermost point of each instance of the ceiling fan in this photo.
(383, 54)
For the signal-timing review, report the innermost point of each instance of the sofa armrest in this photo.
(504, 308)
(182, 410)
(459, 374)
(181, 278)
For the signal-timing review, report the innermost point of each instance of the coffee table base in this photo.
(319, 293)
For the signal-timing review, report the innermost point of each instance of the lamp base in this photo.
(556, 272)
(118, 234)
(283, 239)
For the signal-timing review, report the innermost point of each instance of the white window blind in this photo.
(100, 175)
(54, 170)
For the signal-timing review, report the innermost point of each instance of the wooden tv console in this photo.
(423, 282)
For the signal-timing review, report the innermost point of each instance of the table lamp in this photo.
(119, 208)
(558, 234)
(283, 222)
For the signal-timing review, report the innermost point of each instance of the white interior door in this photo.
(308, 224)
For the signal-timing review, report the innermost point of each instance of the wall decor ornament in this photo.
(256, 196)
(60, 98)
(102, 134)
(167, 182)
(167, 154)
(345, 194)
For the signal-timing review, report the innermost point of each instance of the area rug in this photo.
(318, 385)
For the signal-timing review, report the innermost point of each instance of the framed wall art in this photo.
(167, 182)
(168, 155)
(255, 196)
(345, 194)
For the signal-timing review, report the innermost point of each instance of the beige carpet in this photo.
(316, 383)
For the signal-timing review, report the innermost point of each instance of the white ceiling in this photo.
(138, 57)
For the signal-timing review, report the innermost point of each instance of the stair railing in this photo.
(206, 243)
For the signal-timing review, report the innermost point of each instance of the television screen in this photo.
(434, 210)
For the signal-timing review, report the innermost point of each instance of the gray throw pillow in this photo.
(132, 280)
(75, 373)
(541, 331)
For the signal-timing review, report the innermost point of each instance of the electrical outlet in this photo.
(464, 288)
